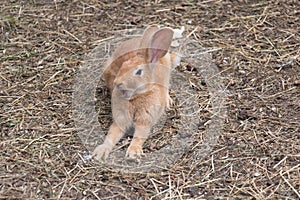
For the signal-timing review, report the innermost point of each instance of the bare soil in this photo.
(44, 42)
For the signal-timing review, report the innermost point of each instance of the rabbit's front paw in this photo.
(101, 152)
(134, 151)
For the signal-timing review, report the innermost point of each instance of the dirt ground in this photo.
(43, 43)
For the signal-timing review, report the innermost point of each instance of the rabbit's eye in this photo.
(139, 72)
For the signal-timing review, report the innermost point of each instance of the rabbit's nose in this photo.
(119, 85)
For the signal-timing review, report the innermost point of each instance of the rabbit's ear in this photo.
(159, 44)
(147, 35)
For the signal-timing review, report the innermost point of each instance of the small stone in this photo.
(256, 174)
(47, 160)
(242, 71)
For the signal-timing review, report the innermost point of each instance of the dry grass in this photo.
(43, 43)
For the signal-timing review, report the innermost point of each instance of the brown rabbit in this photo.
(138, 75)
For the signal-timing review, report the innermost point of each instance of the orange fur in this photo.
(140, 91)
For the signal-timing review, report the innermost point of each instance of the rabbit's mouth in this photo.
(126, 93)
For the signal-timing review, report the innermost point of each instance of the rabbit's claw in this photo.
(101, 152)
(134, 151)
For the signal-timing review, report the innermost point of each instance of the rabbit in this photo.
(138, 75)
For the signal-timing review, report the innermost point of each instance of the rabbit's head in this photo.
(136, 74)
